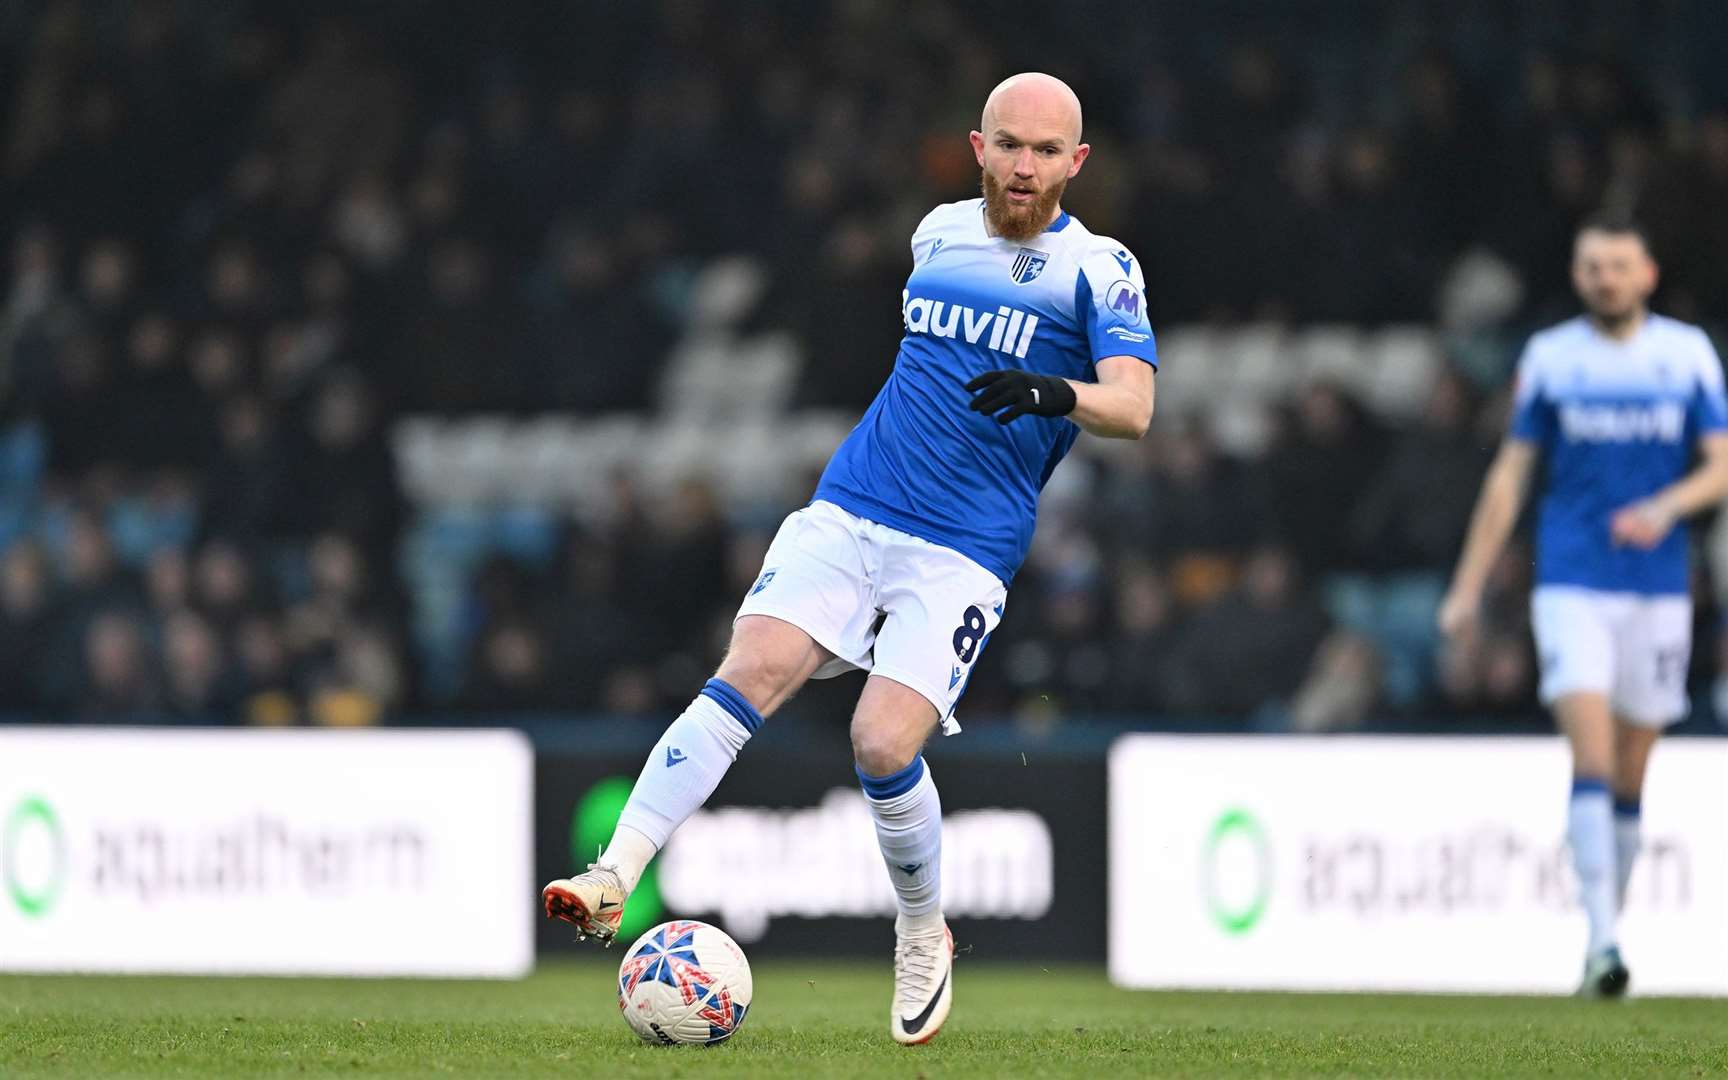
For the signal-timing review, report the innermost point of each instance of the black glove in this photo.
(1023, 392)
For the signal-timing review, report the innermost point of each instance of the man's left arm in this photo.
(1117, 406)
(1110, 304)
(1644, 524)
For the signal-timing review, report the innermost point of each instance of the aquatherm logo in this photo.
(1235, 827)
(33, 856)
(591, 825)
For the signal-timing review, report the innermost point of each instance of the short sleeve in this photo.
(1709, 405)
(1110, 299)
(1532, 412)
(924, 238)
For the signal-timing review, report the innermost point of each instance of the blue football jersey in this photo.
(1616, 421)
(920, 460)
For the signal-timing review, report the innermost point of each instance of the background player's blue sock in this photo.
(908, 815)
(1628, 838)
(681, 772)
(1590, 831)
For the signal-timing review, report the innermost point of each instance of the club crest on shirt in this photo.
(1028, 265)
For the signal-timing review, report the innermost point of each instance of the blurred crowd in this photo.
(243, 239)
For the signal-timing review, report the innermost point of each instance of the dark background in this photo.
(248, 246)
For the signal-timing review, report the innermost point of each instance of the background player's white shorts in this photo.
(1630, 646)
(880, 600)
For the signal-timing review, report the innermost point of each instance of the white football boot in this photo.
(594, 902)
(923, 983)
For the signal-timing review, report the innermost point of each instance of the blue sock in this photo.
(1590, 832)
(908, 814)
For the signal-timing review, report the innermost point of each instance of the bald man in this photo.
(1022, 329)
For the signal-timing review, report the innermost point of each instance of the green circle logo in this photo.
(32, 812)
(1237, 822)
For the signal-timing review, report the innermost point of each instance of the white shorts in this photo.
(1630, 646)
(881, 601)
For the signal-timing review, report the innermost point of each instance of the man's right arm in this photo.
(1496, 513)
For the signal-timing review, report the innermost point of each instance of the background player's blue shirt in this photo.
(920, 460)
(1617, 422)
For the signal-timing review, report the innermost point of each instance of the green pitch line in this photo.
(826, 1019)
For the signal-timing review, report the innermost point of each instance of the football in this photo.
(684, 983)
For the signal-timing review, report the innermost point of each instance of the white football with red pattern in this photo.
(684, 982)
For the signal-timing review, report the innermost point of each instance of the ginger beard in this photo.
(1019, 221)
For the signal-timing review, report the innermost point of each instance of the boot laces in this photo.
(617, 881)
(917, 960)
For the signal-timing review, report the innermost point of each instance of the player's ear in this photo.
(1081, 152)
(978, 147)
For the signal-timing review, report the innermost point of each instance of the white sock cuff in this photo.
(733, 705)
(718, 722)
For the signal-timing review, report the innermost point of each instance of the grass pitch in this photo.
(825, 1019)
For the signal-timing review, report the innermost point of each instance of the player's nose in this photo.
(1023, 164)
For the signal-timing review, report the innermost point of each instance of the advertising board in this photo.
(784, 856)
(271, 852)
(1398, 863)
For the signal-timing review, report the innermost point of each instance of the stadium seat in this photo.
(1265, 369)
(140, 526)
(696, 381)
(16, 518)
(544, 450)
(1333, 354)
(419, 448)
(23, 455)
(762, 370)
(1198, 369)
(1405, 361)
(1397, 614)
(724, 291)
(1240, 427)
(456, 535)
(526, 533)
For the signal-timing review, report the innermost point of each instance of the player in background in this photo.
(1022, 329)
(1615, 403)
